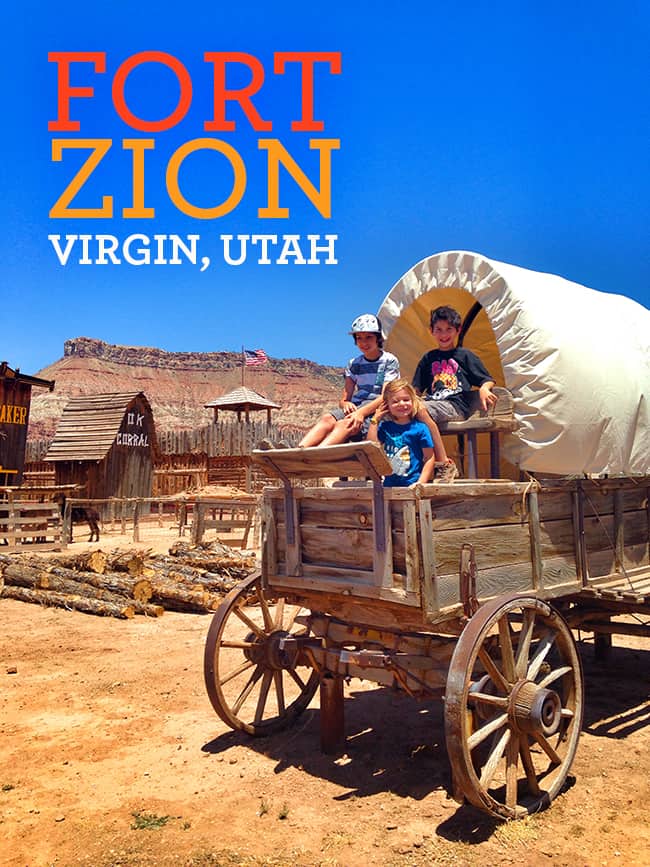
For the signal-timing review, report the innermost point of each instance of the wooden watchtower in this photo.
(236, 469)
(242, 400)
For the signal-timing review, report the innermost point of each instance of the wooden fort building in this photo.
(107, 444)
(15, 399)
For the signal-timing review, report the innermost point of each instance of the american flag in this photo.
(254, 356)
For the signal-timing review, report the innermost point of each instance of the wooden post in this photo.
(250, 512)
(647, 509)
(182, 518)
(583, 538)
(412, 552)
(136, 521)
(197, 523)
(495, 454)
(332, 725)
(472, 455)
(602, 646)
(429, 588)
(67, 523)
(292, 524)
(535, 541)
(619, 537)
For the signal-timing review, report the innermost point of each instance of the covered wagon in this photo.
(467, 591)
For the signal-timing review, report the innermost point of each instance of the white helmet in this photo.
(366, 322)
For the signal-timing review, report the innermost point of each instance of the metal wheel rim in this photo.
(259, 683)
(485, 736)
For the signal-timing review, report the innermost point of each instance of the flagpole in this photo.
(243, 365)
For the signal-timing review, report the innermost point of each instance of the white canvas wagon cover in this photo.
(576, 360)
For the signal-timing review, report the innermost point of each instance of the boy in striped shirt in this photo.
(365, 377)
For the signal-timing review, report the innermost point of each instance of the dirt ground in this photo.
(112, 755)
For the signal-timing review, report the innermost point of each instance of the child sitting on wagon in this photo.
(365, 378)
(445, 376)
(406, 441)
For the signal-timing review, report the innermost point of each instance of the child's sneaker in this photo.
(445, 472)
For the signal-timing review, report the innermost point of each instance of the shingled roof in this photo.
(89, 425)
(242, 398)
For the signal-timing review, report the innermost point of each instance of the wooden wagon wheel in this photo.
(513, 706)
(253, 681)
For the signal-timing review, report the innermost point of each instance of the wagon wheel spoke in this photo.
(493, 700)
(492, 670)
(512, 756)
(541, 652)
(485, 731)
(529, 769)
(279, 690)
(293, 674)
(548, 749)
(240, 645)
(248, 622)
(496, 753)
(264, 608)
(507, 652)
(250, 677)
(293, 616)
(279, 614)
(495, 708)
(236, 672)
(552, 676)
(264, 694)
(523, 647)
(246, 691)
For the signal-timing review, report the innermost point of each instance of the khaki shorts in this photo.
(363, 433)
(444, 410)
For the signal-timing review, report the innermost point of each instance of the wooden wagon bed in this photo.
(397, 556)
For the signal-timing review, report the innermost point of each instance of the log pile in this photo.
(125, 583)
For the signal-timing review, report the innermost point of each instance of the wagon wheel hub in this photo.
(534, 709)
(276, 651)
(254, 674)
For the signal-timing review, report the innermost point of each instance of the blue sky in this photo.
(519, 131)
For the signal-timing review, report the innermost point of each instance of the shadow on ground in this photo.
(396, 744)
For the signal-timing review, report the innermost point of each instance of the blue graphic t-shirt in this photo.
(404, 445)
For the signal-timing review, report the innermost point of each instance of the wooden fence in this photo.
(221, 438)
(216, 454)
(29, 526)
(232, 518)
(225, 438)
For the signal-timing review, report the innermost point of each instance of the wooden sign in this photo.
(15, 397)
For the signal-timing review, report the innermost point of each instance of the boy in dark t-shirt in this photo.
(445, 376)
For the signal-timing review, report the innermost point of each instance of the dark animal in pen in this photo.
(81, 515)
